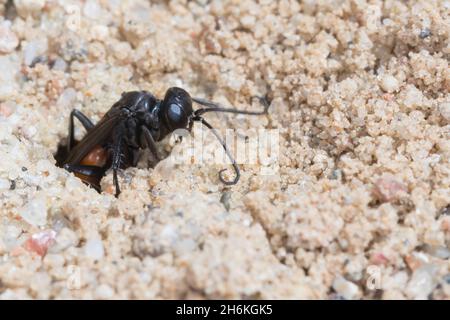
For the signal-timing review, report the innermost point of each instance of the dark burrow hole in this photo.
(61, 154)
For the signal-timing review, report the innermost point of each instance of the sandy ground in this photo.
(360, 205)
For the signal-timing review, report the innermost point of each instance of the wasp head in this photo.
(176, 109)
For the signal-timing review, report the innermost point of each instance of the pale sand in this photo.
(359, 93)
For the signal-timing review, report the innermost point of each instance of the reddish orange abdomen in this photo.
(97, 157)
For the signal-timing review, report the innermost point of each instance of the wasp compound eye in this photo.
(176, 117)
(175, 113)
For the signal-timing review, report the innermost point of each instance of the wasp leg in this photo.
(89, 174)
(147, 137)
(84, 120)
(116, 183)
(135, 157)
(117, 157)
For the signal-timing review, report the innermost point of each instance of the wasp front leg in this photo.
(148, 141)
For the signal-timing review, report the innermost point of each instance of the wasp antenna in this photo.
(215, 107)
(225, 148)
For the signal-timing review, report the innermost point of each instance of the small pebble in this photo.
(440, 252)
(59, 64)
(4, 184)
(185, 246)
(169, 233)
(8, 39)
(59, 222)
(94, 249)
(8, 77)
(248, 21)
(121, 50)
(379, 259)
(26, 8)
(446, 211)
(389, 83)
(413, 97)
(67, 98)
(336, 174)
(92, 9)
(35, 212)
(66, 238)
(421, 284)
(416, 260)
(388, 189)
(6, 109)
(447, 278)
(346, 289)
(40, 242)
(104, 291)
(10, 235)
(424, 33)
(33, 50)
(444, 109)
(100, 32)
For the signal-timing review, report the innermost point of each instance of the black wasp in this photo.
(137, 121)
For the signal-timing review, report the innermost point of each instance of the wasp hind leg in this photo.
(84, 120)
(117, 156)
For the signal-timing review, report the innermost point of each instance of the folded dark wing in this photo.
(96, 136)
